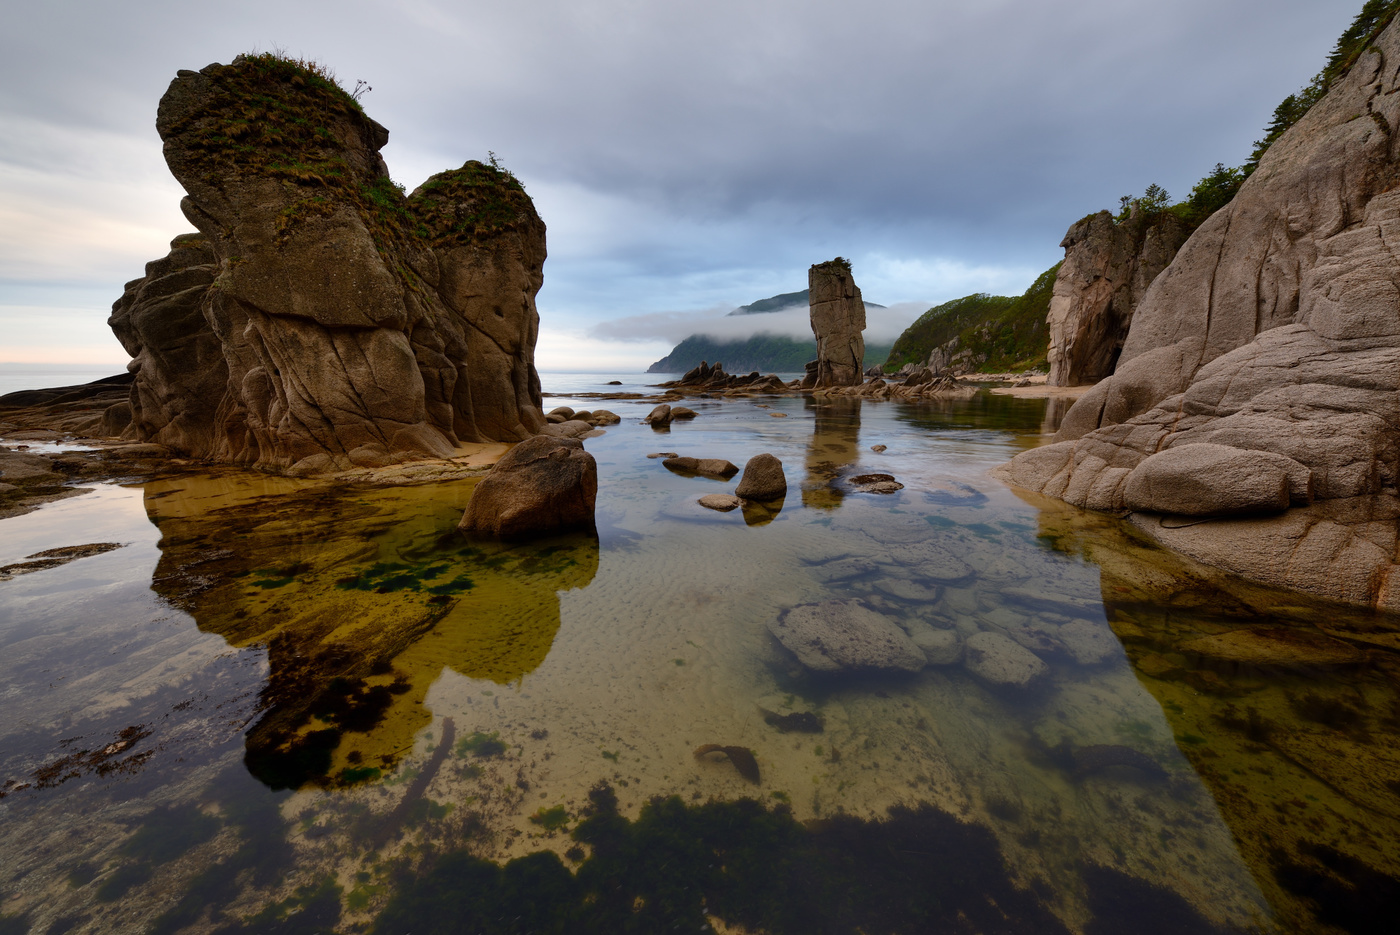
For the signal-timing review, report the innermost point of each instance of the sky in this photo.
(687, 157)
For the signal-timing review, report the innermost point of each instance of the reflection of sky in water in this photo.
(584, 663)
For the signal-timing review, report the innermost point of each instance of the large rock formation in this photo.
(321, 318)
(1276, 329)
(838, 319)
(1107, 269)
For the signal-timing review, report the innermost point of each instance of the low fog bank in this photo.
(882, 326)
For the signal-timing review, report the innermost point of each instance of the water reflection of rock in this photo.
(361, 597)
(1288, 710)
(835, 445)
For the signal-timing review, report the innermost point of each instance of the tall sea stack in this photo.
(322, 318)
(838, 318)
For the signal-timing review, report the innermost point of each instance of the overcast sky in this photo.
(687, 157)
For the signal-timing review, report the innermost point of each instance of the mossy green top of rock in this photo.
(478, 200)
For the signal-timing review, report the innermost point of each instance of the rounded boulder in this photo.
(543, 485)
(763, 479)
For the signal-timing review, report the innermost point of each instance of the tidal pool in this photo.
(297, 706)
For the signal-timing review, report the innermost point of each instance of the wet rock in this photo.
(1276, 646)
(872, 483)
(907, 590)
(933, 561)
(763, 479)
(663, 454)
(720, 501)
(23, 469)
(709, 467)
(573, 428)
(1088, 642)
(541, 486)
(659, 417)
(999, 661)
(940, 647)
(879, 449)
(561, 413)
(844, 635)
(605, 417)
(683, 413)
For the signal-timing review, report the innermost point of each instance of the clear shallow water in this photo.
(240, 720)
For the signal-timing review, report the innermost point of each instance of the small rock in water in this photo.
(763, 479)
(874, 483)
(723, 502)
(614, 383)
(742, 758)
(681, 412)
(879, 448)
(1000, 661)
(710, 467)
(777, 415)
(839, 636)
(663, 454)
(605, 417)
(564, 411)
(659, 417)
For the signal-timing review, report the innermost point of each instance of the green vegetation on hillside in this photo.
(1003, 333)
(1214, 191)
(766, 353)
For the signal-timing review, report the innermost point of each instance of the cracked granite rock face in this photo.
(322, 319)
(1275, 333)
(838, 322)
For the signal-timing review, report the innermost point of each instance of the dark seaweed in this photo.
(800, 721)
(917, 870)
(1349, 894)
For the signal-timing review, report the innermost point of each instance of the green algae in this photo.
(480, 744)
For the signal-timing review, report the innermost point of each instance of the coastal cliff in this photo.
(322, 318)
(1256, 392)
(1107, 269)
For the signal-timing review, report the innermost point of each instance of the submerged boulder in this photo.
(839, 636)
(322, 319)
(543, 485)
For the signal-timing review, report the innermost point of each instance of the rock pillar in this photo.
(838, 318)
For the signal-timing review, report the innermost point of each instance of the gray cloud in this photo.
(683, 155)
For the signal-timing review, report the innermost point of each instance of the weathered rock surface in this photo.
(543, 485)
(1276, 330)
(1002, 662)
(710, 467)
(838, 321)
(321, 319)
(763, 479)
(838, 636)
(723, 502)
(712, 378)
(1216, 480)
(1107, 269)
